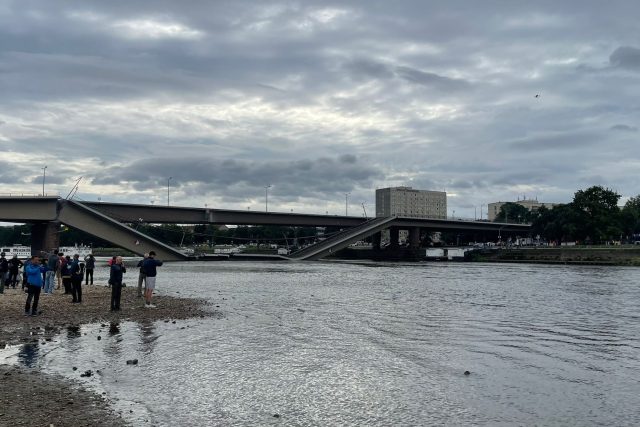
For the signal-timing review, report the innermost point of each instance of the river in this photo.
(333, 343)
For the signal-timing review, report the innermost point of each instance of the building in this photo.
(493, 209)
(407, 202)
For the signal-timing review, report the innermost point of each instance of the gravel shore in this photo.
(31, 398)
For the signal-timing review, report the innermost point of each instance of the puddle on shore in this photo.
(109, 359)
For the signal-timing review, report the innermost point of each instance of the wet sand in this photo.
(31, 398)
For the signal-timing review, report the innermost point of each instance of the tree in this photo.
(598, 214)
(630, 217)
(513, 212)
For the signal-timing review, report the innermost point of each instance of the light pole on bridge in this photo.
(168, 186)
(266, 197)
(44, 175)
(346, 204)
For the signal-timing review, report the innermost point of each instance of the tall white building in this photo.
(407, 202)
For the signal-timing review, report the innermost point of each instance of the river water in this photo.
(372, 344)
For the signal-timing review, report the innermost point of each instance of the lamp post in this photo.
(346, 204)
(44, 175)
(266, 197)
(168, 186)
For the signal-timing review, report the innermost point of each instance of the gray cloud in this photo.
(430, 80)
(318, 98)
(241, 179)
(626, 57)
(624, 128)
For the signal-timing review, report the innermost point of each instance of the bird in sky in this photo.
(537, 95)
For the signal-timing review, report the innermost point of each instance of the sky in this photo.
(323, 101)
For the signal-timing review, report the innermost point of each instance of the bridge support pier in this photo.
(45, 237)
(376, 240)
(394, 236)
(414, 238)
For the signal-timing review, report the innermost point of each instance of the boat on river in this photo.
(20, 250)
(81, 250)
(24, 252)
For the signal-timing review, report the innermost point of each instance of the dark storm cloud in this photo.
(431, 80)
(624, 128)
(289, 178)
(626, 57)
(370, 68)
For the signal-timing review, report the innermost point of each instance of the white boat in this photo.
(25, 251)
(20, 250)
(83, 251)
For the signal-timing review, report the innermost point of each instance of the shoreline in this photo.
(29, 397)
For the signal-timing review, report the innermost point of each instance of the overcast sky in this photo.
(319, 99)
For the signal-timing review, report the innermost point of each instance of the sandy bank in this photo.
(31, 398)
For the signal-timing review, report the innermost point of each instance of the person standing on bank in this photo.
(14, 271)
(4, 270)
(65, 273)
(141, 276)
(34, 285)
(115, 280)
(90, 264)
(77, 274)
(53, 264)
(149, 266)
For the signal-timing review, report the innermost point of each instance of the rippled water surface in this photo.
(374, 344)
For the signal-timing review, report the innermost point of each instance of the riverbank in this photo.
(619, 256)
(31, 398)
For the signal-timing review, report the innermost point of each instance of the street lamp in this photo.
(346, 204)
(168, 185)
(44, 174)
(266, 197)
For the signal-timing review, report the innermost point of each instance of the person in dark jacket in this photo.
(77, 274)
(149, 266)
(115, 280)
(65, 272)
(141, 276)
(4, 269)
(90, 265)
(14, 271)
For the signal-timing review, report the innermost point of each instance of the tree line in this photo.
(592, 217)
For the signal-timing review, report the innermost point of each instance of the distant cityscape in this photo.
(412, 203)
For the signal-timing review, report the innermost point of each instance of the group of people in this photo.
(42, 275)
(147, 275)
(9, 271)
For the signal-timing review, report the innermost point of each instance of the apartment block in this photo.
(407, 202)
